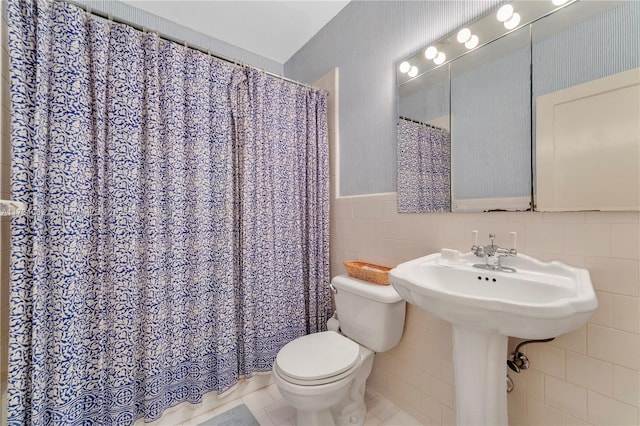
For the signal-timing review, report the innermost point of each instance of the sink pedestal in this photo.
(481, 387)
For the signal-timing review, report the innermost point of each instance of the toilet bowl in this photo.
(316, 375)
(323, 375)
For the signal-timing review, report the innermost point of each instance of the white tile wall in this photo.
(548, 359)
(575, 341)
(589, 376)
(566, 397)
(618, 276)
(604, 314)
(626, 383)
(607, 411)
(626, 312)
(537, 413)
(590, 373)
(611, 345)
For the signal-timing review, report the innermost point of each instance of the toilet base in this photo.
(355, 411)
(330, 404)
(322, 417)
(354, 417)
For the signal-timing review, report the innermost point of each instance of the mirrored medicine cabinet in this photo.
(469, 135)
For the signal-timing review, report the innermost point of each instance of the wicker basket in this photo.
(368, 272)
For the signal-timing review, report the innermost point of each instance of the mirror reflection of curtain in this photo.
(424, 168)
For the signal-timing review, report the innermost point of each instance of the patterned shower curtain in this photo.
(424, 168)
(177, 234)
(281, 145)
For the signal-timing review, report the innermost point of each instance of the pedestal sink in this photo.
(537, 301)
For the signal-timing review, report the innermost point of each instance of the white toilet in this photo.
(323, 375)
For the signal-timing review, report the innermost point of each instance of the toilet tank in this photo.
(370, 314)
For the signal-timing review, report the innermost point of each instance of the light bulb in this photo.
(405, 67)
(558, 2)
(440, 58)
(464, 35)
(473, 42)
(413, 71)
(430, 52)
(504, 13)
(513, 22)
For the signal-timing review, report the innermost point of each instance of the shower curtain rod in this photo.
(185, 43)
(420, 122)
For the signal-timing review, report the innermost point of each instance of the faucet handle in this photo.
(475, 248)
(514, 239)
(492, 236)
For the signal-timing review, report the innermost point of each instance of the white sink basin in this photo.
(539, 300)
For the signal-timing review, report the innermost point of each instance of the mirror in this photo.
(491, 129)
(424, 144)
(493, 89)
(586, 100)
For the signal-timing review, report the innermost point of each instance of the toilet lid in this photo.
(317, 356)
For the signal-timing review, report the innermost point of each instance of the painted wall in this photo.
(590, 376)
(180, 32)
(365, 40)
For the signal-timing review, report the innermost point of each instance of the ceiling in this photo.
(273, 29)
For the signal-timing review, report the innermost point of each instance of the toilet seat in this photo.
(317, 359)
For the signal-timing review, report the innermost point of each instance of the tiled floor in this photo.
(269, 409)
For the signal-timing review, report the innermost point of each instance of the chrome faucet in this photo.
(493, 253)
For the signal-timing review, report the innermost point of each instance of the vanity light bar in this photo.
(440, 58)
(472, 42)
(430, 52)
(512, 15)
(467, 38)
(505, 13)
(509, 18)
(464, 35)
(406, 68)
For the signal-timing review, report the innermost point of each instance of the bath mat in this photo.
(237, 416)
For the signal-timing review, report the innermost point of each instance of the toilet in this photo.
(323, 375)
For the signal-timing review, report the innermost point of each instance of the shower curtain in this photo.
(177, 233)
